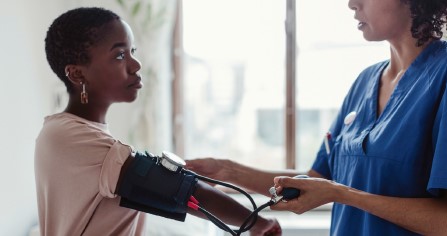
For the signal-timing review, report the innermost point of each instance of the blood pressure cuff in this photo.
(148, 186)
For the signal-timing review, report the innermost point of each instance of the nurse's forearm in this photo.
(254, 179)
(426, 216)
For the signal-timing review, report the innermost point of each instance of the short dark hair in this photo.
(71, 35)
(429, 17)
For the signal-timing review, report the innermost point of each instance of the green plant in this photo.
(143, 14)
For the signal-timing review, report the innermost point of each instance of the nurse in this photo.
(385, 163)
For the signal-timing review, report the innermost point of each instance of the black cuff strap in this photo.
(149, 187)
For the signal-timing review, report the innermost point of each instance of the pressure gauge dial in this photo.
(171, 161)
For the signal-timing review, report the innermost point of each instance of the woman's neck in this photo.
(88, 111)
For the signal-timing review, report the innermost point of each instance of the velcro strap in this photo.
(149, 187)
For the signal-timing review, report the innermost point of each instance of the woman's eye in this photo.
(120, 56)
(133, 50)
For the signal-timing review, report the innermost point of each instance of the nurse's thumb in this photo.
(286, 182)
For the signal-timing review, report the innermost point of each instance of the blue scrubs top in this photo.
(401, 153)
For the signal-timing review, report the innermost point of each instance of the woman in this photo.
(384, 165)
(78, 163)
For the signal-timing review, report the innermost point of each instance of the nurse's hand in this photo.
(210, 167)
(314, 193)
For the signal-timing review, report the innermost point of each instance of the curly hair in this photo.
(71, 35)
(429, 17)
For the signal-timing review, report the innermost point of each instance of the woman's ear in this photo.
(74, 74)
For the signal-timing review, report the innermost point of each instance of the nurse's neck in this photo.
(402, 56)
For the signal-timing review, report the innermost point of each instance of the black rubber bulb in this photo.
(291, 193)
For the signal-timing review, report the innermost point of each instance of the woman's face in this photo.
(382, 19)
(112, 74)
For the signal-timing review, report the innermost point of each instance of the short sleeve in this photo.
(438, 176)
(321, 164)
(111, 168)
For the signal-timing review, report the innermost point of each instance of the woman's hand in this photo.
(314, 193)
(210, 167)
(266, 227)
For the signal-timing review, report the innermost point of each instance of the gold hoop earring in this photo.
(84, 95)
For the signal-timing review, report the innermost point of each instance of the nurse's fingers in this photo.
(286, 182)
(293, 205)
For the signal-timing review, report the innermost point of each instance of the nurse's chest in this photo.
(387, 85)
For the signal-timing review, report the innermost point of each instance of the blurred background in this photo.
(257, 81)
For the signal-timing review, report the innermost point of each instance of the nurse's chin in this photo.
(372, 38)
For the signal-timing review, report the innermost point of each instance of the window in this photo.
(234, 76)
(234, 80)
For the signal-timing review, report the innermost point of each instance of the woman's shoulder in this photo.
(68, 126)
(67, 121)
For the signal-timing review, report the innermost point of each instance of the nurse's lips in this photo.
(360, 25)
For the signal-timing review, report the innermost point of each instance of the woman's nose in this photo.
(135, 65)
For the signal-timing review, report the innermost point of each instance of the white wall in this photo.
(23, 100)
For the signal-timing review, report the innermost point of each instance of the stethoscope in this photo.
(175, 163)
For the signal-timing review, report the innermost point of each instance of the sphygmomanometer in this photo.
(157, 185)
(160, 185)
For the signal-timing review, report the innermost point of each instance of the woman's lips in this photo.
(138, 84)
